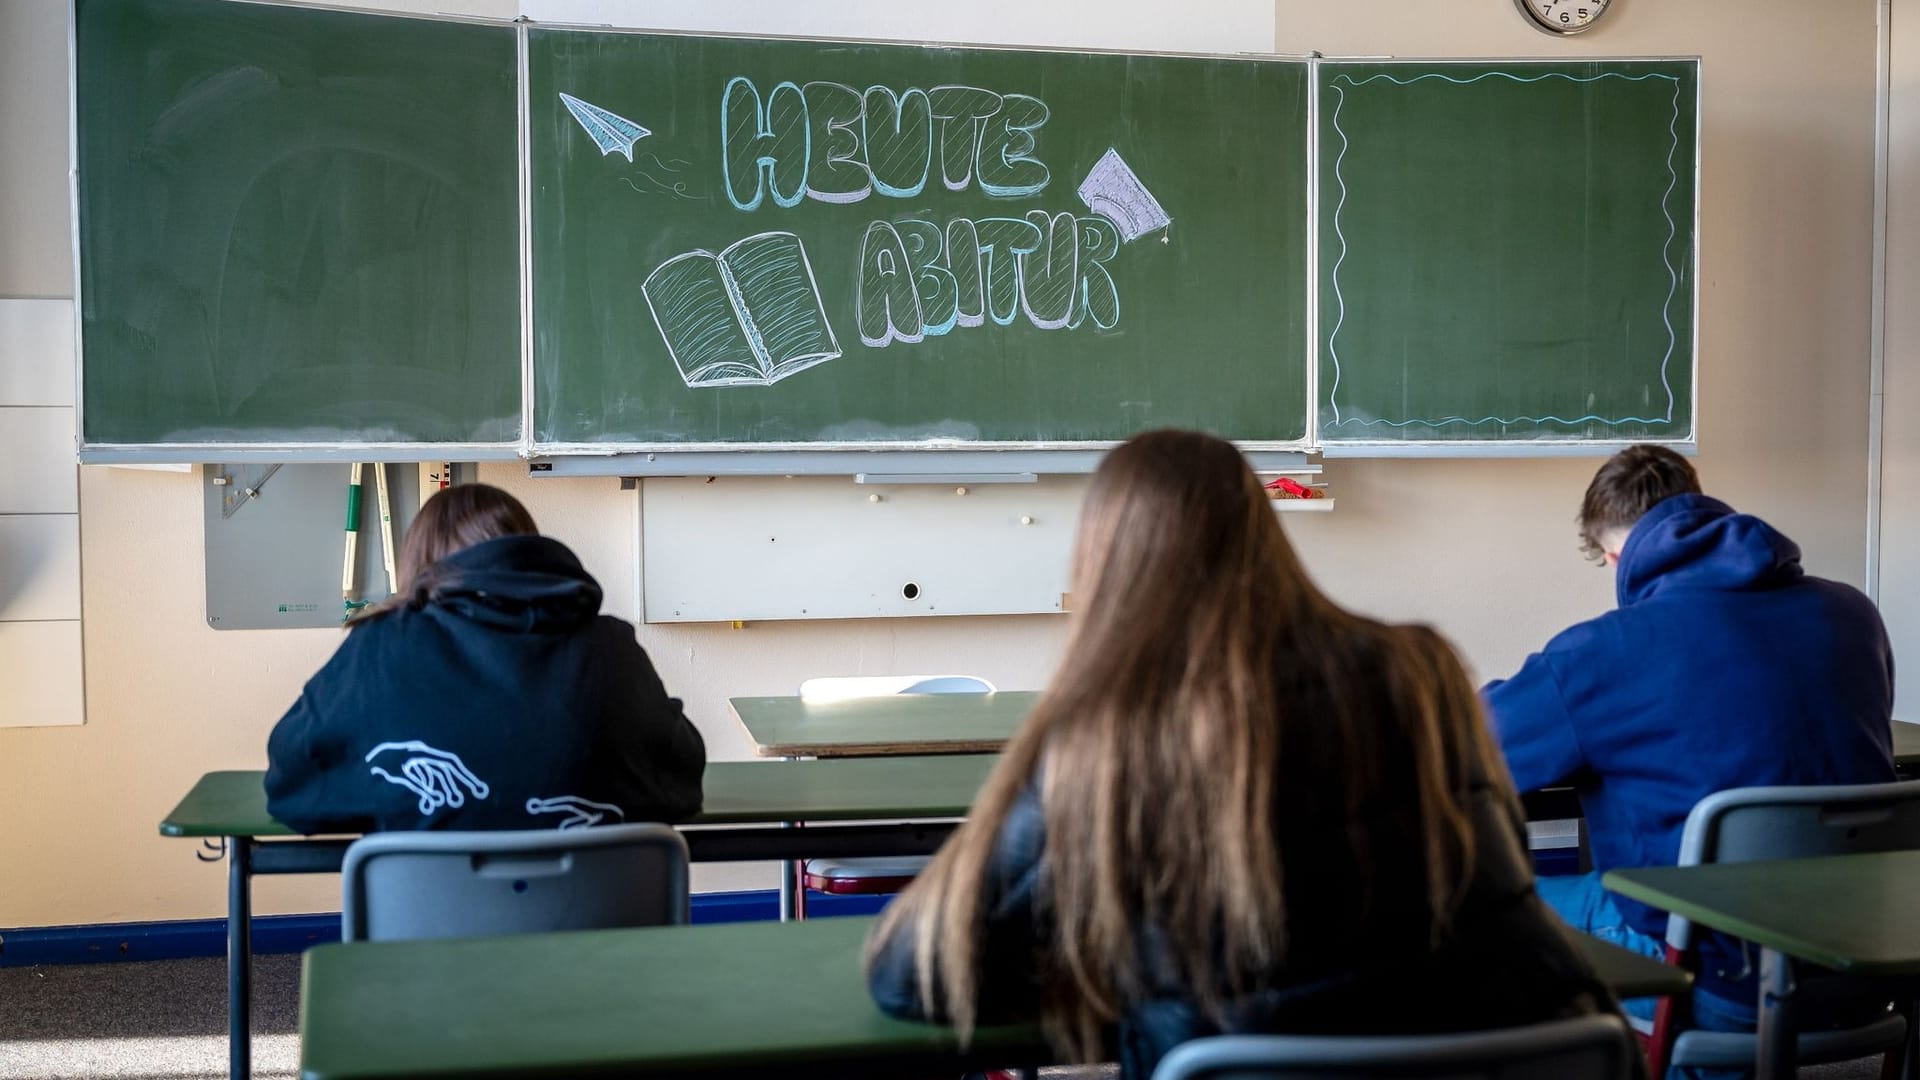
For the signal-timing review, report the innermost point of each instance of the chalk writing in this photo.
(766, 144)
(830, 142)
(918, 280)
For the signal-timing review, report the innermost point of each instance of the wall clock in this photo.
(1562, 17)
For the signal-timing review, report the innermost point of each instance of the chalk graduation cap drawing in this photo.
(1113, 191)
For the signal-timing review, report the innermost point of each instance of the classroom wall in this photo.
(1900, 478)
(1484, 549)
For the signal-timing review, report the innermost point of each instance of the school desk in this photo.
(232, 806)
(918, 724)
(955, 724)
(749, 798)
(788, 727)
(1850, 913)
(748, 999)
(1906, 747)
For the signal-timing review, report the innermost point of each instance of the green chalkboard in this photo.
(296, 226)
(1506, 250)
(746, 242)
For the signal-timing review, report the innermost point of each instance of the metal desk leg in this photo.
(1777, 1051)
(790, 899)
(793, 883)
(240, 957)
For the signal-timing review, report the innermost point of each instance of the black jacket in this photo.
(1359, 961)
(506, 701)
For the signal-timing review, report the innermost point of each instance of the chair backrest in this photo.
(846, 687)
(403, 885)
(1754, 823)
(1584, 1048)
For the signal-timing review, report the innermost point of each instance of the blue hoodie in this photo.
(1725, 665)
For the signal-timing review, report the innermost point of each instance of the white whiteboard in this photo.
(760, 549)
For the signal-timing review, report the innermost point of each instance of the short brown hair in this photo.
(1628, 486)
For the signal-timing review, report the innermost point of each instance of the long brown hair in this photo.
(453, 520)
(1198, 648)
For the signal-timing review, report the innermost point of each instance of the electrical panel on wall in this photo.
(277, 544)
(757, 549)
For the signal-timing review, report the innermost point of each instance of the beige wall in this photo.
(1484, 549)
(1900, 479)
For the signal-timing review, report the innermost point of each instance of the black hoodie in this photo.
(505, 701)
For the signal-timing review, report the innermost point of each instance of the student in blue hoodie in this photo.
(487, 693)
(1726, 665)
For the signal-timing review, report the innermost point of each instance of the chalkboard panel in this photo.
(300, 235)
(296, 226)
(773, 243)
(1507, 250)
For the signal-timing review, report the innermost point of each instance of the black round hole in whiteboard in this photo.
(910, 591)
(519, 886)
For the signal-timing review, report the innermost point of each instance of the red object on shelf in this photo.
(1288, 488)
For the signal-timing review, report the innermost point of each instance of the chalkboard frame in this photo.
(777, 458)
(1687, 444)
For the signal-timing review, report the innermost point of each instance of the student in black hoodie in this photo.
(487, 693)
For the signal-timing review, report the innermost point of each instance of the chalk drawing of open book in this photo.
(748, 316)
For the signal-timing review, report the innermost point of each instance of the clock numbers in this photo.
(1563, 16)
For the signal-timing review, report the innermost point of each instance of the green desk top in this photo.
(743, 998)
(895, 724)
(751, 998)
(1851, 913)
(233, 803)
(229, 803)
(1906, 745)
(737, 792)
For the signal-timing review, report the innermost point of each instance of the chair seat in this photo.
(1707, 1049)
(884, 874)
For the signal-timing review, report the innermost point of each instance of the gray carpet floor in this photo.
(167, 1020)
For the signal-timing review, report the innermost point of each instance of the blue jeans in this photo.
(1579, 899)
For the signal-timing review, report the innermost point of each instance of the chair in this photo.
(878, 875)
(404, 885)
(1749, 824)
(1583, 1048)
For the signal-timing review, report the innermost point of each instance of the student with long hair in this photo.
(487, 693)
(1237, 808)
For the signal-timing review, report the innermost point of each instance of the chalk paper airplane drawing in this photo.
(609, 130)
(748, 316)
(1114, 192)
